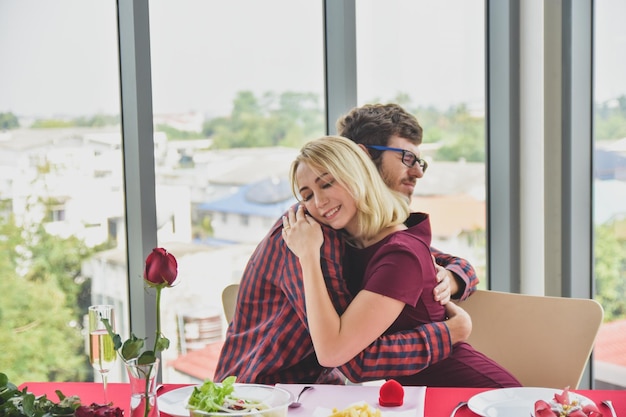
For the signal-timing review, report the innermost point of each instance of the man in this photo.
(378, 126)
(268, 339)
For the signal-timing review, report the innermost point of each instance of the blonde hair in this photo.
(377, 205)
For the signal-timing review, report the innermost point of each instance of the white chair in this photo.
(229, 300)
(543, 341)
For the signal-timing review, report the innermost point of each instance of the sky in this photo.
(60, 57)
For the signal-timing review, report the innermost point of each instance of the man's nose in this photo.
(416, 171)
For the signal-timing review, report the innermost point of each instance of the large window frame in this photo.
(539, 137)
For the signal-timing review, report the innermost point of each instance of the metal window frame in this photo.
(503, 139)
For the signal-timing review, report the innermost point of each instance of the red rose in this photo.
(161, 268)
(98, 410)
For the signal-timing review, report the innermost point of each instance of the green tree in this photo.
(460, 134)
(610, 119)
(39, 313)
(99, 120)
(610, 269)
(59, 261)
(175, 134)
(288, 119)
(8, 121)
(52, 124)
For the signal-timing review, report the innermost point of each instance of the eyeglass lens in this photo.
(409, 159)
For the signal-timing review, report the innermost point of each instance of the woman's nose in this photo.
(320, 200)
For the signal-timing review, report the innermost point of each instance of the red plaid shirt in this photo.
(268, 340)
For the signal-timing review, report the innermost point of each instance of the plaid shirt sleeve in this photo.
(462, 269)
(402, 353)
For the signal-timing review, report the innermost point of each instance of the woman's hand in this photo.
(302, 234)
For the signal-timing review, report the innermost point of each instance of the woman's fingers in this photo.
(295, 216)
(291, 216)
(300, 213)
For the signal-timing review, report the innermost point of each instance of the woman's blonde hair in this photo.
(378, 206)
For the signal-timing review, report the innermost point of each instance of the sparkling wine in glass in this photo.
(102, 354)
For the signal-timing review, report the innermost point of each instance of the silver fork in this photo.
(457, 408)
(609, 405)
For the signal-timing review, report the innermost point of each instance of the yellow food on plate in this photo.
(358, 410)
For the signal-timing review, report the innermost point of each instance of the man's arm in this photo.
(409, 351)
(465, 279)
(403, 353)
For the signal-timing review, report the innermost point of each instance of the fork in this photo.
(609, 405)
(457, 408)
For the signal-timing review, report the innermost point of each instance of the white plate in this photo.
(515, 401)
(174, 402)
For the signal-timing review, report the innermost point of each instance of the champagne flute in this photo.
(102, 354)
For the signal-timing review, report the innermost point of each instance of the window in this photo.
(60, 164)
(227, 100)
(237, 101)
(609, 183)
(436, 71)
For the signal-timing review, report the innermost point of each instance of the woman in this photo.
(338, 186)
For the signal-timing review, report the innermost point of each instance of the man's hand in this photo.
(446, 287)
(459, 323)
(442, 291)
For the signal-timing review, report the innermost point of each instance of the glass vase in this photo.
(143, 395)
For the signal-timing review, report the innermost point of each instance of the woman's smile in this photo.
(330, 214)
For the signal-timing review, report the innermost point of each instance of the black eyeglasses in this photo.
(408, 158)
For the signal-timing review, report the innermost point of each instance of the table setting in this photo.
(437, 402)
(461, 402)
(322, 399)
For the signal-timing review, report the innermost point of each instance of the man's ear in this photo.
(364, 149)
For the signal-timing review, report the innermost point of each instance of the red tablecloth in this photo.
(439, 401)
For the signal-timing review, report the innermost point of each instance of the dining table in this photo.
(438, 402)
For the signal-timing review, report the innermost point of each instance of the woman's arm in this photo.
(336, 339)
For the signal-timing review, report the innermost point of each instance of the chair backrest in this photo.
(229, 300)
(543, 341)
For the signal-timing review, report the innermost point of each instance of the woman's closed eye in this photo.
(323, 182)
(327, 184)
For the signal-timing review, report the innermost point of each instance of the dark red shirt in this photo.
(400, 266)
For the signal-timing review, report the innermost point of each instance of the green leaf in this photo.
(162, 344)
(132, 347)
(28, 405)
(117, 340)
(146, 358)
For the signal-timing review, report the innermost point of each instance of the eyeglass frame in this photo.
(421, 162)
